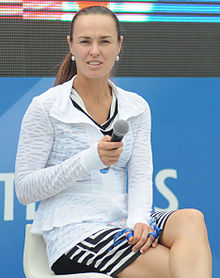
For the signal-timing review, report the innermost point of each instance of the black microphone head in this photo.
(120, 128)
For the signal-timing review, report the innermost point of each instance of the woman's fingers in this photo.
(110, 157)
(147, 245)
(109, 146)
(109, 152)
(129, 235)
(154, 244)
(142, 240)
(138, 229)
(140, 236)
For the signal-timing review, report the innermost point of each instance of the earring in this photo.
(117, 58)
(73, 58)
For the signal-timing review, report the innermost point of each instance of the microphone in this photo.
(120, 128)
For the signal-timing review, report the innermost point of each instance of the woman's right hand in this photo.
(109, 152)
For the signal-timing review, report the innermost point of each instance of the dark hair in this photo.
(68, 67)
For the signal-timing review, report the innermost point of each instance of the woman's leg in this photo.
(152, 264)
(186, 236)
(183, 252)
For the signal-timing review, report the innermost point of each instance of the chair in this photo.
(36, 263)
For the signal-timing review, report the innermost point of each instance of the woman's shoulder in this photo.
(51, 96)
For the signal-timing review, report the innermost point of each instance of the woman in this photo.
(65, 141)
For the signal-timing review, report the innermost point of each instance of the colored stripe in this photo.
(127, 11)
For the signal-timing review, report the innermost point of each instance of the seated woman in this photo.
(90, 221)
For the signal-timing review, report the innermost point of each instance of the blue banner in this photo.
(186, 151)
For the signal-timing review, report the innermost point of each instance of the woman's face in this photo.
(95, 45)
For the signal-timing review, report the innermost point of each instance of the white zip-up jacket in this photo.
(58, 163)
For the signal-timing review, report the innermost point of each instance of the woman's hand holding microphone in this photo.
(109, 152)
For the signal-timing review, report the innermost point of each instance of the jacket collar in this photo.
(64, 111)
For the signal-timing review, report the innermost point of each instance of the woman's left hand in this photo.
(140, 240)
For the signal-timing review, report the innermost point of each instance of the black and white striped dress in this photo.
(98, 254)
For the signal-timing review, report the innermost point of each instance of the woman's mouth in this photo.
(94, 63)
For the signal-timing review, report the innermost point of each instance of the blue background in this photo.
(185, 139)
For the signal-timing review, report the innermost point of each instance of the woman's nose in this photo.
(94, 51)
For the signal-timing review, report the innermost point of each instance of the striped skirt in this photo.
(97, 254)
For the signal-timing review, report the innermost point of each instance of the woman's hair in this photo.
(68, 67)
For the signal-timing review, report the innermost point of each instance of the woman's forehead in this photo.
(98, 24)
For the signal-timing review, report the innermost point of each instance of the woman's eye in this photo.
(105, 41)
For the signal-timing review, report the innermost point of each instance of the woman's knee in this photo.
(194, 216)
(188, 217)
(183, 223)
(196, 222)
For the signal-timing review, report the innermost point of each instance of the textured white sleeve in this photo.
(140, 170)
(34, 182)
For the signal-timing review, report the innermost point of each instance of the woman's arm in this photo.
(140, 170)
(34, 182)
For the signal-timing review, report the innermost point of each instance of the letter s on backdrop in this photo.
(164, 190)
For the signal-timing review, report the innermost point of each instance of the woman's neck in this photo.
(96, 95)
(94, 90)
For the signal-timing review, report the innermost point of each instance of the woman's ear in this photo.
(120, 44)
(70, 44)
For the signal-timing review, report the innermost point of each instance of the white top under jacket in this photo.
(58, 164)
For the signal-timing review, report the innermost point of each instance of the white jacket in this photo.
(58, 163)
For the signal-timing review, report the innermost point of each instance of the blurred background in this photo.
(170, 56)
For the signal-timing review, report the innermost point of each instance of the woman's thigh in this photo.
(152, 264)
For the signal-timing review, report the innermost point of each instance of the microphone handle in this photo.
(116, 138)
